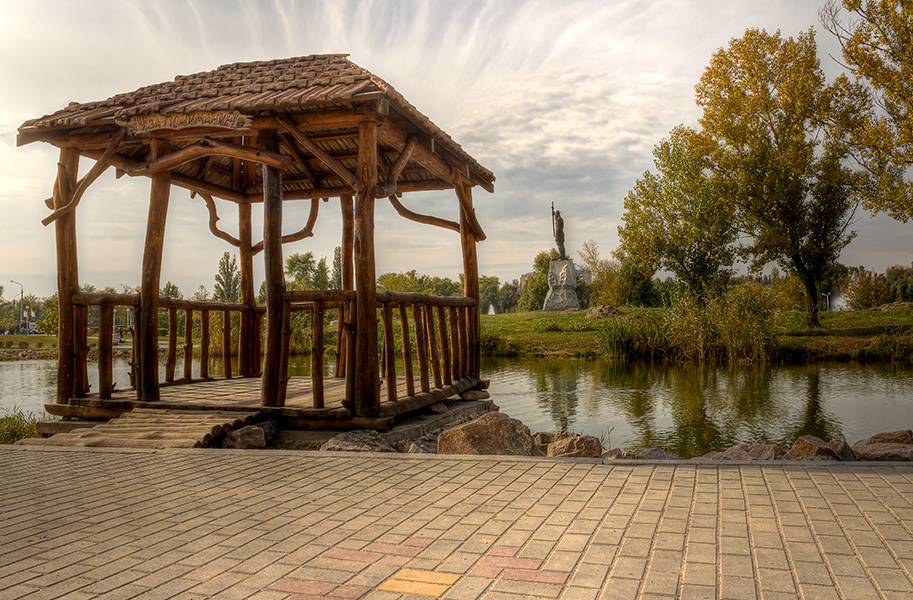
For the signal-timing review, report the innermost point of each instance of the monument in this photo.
(562, 276)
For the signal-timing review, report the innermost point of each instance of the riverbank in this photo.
(865, 336)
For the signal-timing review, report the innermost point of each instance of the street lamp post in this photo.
(21, 296)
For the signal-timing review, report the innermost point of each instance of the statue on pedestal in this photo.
(562, 276)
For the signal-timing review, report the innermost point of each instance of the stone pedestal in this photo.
(562, 286)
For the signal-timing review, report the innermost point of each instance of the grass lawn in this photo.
(23, 342)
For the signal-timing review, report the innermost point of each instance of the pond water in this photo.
(687, 409)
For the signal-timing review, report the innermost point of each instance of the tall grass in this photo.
(16, 424)
(738, 326)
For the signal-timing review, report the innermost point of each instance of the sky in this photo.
(562, 100)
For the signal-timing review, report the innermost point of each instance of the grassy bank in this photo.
(869, 335)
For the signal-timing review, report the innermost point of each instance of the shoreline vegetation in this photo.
(740, 331)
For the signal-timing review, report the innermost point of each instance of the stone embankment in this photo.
(495, 433)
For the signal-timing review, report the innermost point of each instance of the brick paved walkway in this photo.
(271, 525)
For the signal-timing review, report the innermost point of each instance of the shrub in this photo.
(16, 425)
(23, 345)
(39, 344)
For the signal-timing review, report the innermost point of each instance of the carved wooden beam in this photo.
(100, 166)
(214, 218)
(466, 206)
(334, 165)
(391, 136)
(306, 232)
(208, 147)
(418, 218)
(394, 170)
(300, 159)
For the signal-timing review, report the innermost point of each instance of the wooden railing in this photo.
(444, 340)
(107, 304)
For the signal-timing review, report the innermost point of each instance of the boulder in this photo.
(891, 437)
(884, 451)
(270, 430)
(475, 395)
(365, 440)
(438, 408)
(710, 456)
(809, 447)
(602, 312)
(492, 433)
(752, 452)
(613, 454)
(541, 439)
(581, 446)
(245, 438)
(657, 454)
(842, 450)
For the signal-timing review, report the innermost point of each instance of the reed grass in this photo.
(16, 424)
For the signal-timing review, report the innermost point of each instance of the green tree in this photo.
(228, 280)
(536, 286)
(336, 277)
(321, 279)
(677, 220)
(488, 293)
(783, 140)
(877, 46)
(863, 290)
(508, 296)
(50, 322)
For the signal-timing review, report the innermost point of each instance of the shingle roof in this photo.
(303, 83)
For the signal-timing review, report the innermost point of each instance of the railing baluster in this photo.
(258, 345)
(188, 344)
(317, 353)
(204, 344)
(105, 351)
(134, 351)
(445, 345)
(81, 351)
(341, 342)
(350, 355)
(171, 360)
(226, 344)
(421, 344)
(434, 355)
(464, 354)
(457, 366)
(389, 352)
(407, 350)
(285, 344)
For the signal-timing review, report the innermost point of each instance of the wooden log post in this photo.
(226, 344)
(421, 346)
(464, 350)
(204, 344)
(246, 347)
(188, 344)
(389, 351)
(433, 352)
(348, 401)
(272, 382)
(407, 350)
(147, 324)
(258, 344)
(105, 351)
(470, 279)
(367, 385)
(317, 353)
(134, 356)
(67, 272)
(445, 345)
(343, 346)
(284, 352)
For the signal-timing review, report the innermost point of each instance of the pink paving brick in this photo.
(487, 572)
(297, 586)
(511, 563)
(308, 597)
(352, 555)
(420, 542)
(395, 561)
(392, 549)
(503, 551)
(535, 576)
(350, 591)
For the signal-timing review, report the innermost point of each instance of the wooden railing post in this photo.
(457, 367)
(407, 350)
(67, 273)
(421, 344)
(226, 344)
(105, 351)
(317, 353)
(81, 351)
(390, 366)
(464, 342)
(171, 360)
(204, 344)
(445, 345)
(188, 344)
(434, 354)
(284, 351)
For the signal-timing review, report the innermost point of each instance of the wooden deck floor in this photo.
(243, 394)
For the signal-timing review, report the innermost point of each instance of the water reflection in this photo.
(688, 409)
(695, 409)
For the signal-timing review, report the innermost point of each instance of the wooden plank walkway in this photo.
(243, 394)
(153, 428)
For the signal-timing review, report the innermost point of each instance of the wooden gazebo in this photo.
(297, 129)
